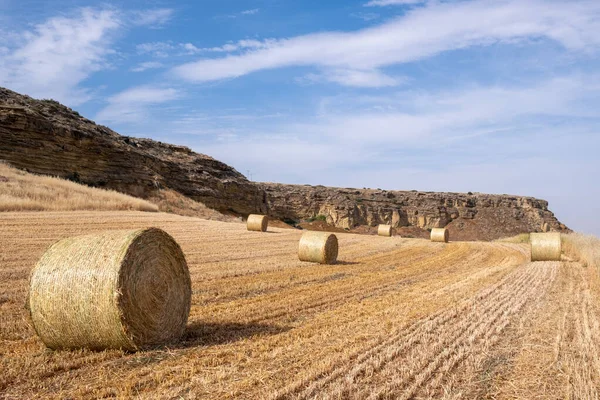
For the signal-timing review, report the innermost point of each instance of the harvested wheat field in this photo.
(394, 318)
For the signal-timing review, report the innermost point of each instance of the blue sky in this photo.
(495, 96)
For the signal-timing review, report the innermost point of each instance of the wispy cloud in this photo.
(355, 78)
(156, 49)
(439, 117)
(239, 45)
(242, 13)
(54, 57)
(133, 104)
(421, 33)
(155, 18)
(250, 12)
(147, 65)
(166, 49)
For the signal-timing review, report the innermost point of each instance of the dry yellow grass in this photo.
(394, 318)
(584, 248)
(520, 238)
(21, 191)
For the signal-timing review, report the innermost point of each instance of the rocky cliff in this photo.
(468, 215)
(45, 137)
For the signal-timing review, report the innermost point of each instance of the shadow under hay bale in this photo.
(210, 334)
(384, 230)
(545, 246)
(440, 235)
(318, 247)
(257, 223)
(125, 290)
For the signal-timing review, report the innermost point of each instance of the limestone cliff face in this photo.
(47, 138)
(468, 216)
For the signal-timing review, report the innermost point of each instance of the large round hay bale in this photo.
(119, 289)
(440, 235)
(545, 246)
(384, 230)
(257, 223)
(318, 247)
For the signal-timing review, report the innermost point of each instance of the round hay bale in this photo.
(384, 230)
(318, 247)
(440, 235)
(545, 246)
(257, 223)
(112, 290)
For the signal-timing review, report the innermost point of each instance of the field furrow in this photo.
(423, 348)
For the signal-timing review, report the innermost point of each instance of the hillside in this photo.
(45, 137)
(21, 191)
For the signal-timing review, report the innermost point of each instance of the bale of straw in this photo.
(318, 247)
(126, 290)
(257, 223)
(545, 246)
(440, 235)
(384, 230)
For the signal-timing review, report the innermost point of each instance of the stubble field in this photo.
(395, 318)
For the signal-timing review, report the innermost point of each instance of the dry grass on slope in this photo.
(520, 238)
(172, 202)
(584, 248)
(21, 191)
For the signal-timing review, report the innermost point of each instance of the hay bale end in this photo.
(125, 290)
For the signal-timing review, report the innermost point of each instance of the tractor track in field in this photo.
(347, 289)
(433, 351)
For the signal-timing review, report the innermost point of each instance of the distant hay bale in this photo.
(112, 290)
(318, 247)
(545, 246)
(440, 235)
(257, 223)
(384, 230)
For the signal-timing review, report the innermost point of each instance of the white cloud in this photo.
(56, 56)
(190, 48)
(156, 49)
(167, 49)
(154, 18)
(382, 3)
(133, 104)
(147, 65)
(421, 33)
(239, 45)
(356, 78)
(440, 117)
(241, 13)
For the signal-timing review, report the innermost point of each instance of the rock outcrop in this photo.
(44, 137)
(468, 216)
